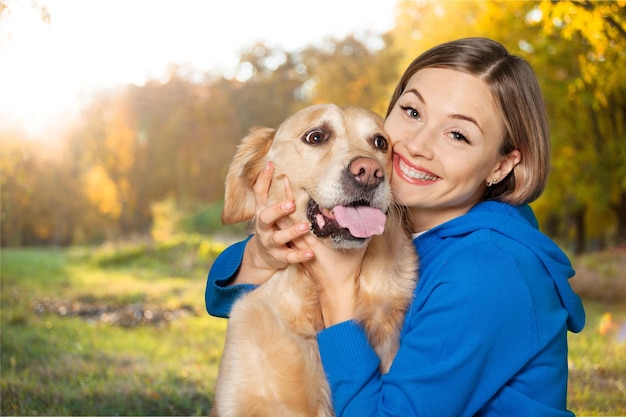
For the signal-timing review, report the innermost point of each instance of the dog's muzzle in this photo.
(352, 222)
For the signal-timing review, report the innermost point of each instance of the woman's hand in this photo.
(270, 248)
(337, 273)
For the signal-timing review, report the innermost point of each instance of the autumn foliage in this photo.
(136, 146)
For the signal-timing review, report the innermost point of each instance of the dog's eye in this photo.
(315, 137)
(380, 142)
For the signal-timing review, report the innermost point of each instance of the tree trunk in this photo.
(620, 209)
(579, 227)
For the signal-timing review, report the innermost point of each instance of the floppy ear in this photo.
(242, 173)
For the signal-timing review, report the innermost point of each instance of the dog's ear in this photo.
(243, 172)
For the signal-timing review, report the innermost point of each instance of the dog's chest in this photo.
(294, 298)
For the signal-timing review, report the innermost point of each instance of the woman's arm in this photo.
(220, 293)
(469, 330)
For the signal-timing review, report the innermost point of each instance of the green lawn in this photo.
(123, 331)
(115, 332)
(598, 363)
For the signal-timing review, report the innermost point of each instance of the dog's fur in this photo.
(271, 364)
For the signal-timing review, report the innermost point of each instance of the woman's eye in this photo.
(411, 112)
(380, 142)
(458, 137)
(315, 137)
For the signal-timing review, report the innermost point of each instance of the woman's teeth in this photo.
(415, 174)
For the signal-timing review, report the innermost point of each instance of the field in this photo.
(122, 330)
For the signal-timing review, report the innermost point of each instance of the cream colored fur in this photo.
(270, 364)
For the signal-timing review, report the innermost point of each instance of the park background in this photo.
(110, 215)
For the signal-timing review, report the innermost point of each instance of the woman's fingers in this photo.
(273, 228)
(288, 193)
(276, 250)
(262, 185)
(267, 217)
(271, 248)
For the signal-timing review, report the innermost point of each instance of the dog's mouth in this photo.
(357, 221)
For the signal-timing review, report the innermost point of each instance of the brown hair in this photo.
(518, 97)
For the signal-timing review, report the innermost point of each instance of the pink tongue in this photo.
(362, 221)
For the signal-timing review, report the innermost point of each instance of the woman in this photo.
(486, 333)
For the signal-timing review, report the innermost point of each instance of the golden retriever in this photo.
(338, 162)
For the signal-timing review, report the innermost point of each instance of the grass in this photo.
(63, 355)
(597, 385)
(122, 330)
(598, 354)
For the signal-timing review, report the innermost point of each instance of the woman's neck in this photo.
(423, 219)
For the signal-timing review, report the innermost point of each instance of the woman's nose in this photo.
(421, 143)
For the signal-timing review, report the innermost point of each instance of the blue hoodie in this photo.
(486, 333)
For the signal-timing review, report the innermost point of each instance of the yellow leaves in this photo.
(119, 144)
(567, 151)
(42, 231)
(356, 89)
(606, 324)
(164, 219)
(597, 29)
(101, 191)
(107, 182)
(209, 249)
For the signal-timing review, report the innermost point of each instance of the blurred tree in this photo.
(41, 200)
(140, 145)
(16, 162)
(111, 147)
(421, 24)
(352, 71)
(137, 146)
(268, 86)
(596, 32)
(57, 206)
(186, 132)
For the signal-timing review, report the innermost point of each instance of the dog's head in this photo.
(338, 162)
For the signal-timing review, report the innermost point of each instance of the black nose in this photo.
(367, 172)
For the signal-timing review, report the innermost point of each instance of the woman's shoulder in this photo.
(508, 228)
(482, 250)
(476, 263)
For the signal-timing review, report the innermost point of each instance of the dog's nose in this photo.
(367, 171)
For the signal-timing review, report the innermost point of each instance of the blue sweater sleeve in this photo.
(470, 330)
(219, 297)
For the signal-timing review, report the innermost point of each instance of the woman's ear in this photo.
(504, 167)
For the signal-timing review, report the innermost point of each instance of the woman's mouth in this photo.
(411, 173)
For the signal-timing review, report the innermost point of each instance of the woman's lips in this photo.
(411, 173)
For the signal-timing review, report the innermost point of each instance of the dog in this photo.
(338, 163)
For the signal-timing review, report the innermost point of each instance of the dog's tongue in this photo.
(362, 221)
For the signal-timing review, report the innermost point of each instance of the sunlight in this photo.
(28, 95)
(51, 67)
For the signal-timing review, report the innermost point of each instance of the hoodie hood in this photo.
(520, 224)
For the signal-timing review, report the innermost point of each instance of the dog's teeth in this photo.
(327, 213)
(320, 220)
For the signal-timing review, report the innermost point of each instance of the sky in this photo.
(48, 69)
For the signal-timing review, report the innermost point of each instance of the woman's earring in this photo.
(493, 182)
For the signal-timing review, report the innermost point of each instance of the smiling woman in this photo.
(49, 66)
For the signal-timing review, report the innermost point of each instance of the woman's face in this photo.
(446, 132)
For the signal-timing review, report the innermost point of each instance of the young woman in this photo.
(486, 333)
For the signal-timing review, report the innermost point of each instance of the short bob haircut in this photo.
(519, 100)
